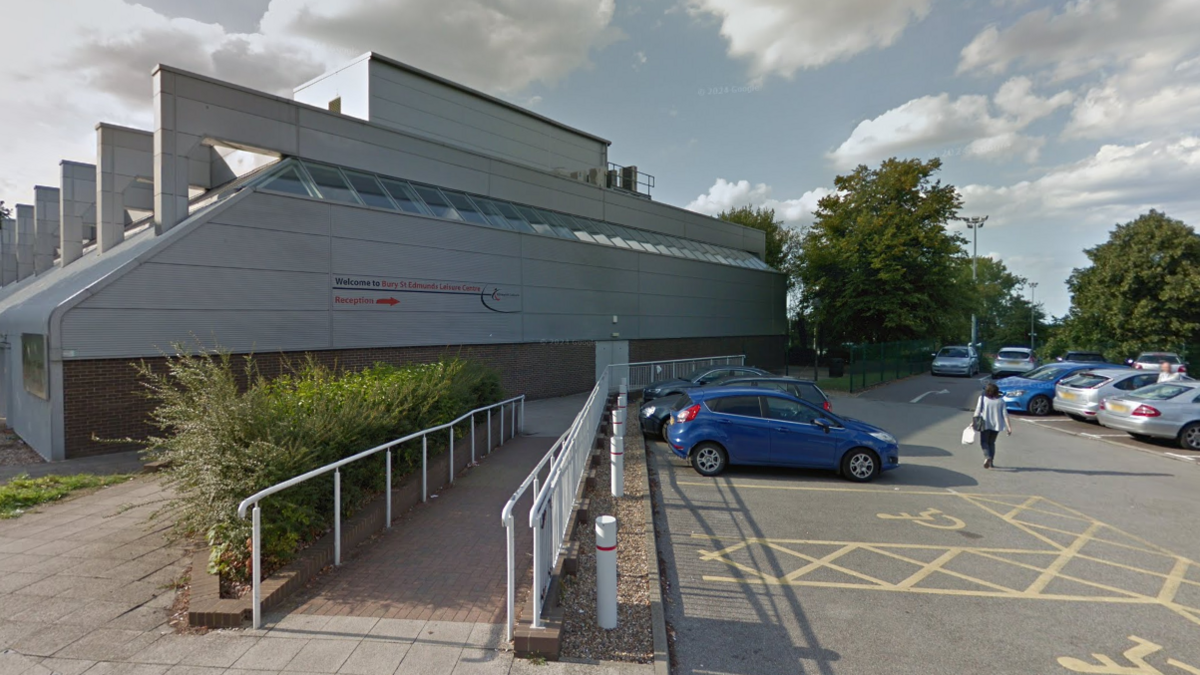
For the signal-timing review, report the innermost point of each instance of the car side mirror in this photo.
(823, 423)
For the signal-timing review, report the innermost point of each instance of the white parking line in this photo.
(985, 378)
(1045, 421)
(918, 399)
(1099, 436)
(1189, 458)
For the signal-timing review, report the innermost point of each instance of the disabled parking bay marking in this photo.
(1062, 555)
(1136, 655)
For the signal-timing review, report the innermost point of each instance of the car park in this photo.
(1153, 361)
(698, 377)
(715, 427)
(656, 415)
(1170, 410)
(955, 360)
(1034, 392)
(1079, 395)
(1013, 361)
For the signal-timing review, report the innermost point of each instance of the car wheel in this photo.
(709, 459)
(860, 465)
(1040, 406)
(663, 430)
(1189, 437)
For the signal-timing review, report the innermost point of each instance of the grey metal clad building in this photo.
(385, 214)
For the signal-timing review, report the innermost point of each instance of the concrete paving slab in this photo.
(322, 656)
(429, 659)
(473, 661)
(48, 640)
(396, 630)
(445, 633)
(375, 658)
(487, 636)
(220, 650)
(111, 668)
(67, 666)
(270, 654)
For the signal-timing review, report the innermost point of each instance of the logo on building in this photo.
(501, 299)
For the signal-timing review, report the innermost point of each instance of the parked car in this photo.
(1079, 395)
(958, 360)
(1170, 410)
(1033, 392)
(719, 426)
(1153, 361)
(1083, 357)
(700, 376)
(1013, 361)
(656, 414)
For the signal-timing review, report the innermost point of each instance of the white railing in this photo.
(564, 465)
(639, 375)
(553, 499)
(253, 500)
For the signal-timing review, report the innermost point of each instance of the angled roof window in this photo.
(437, 203)
(466, 208)
(369, 190)
(331, 184)
(489, 210)
(406, 198)
(290, 181)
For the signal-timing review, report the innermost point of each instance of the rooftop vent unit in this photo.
(628, 179)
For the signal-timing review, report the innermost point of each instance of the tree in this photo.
(880, 260)
(1139, 292)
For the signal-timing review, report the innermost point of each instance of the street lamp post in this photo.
(974, 224)
(1032, 315)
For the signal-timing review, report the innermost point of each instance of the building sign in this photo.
(399, 294)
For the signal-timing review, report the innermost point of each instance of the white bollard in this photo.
(624, 388)
(606, 572)
(622, 406)
(616, 465)
(618, 425)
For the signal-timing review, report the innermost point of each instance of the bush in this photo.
(227, 436)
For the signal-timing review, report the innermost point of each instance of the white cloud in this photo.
(1115, 184)
(933, 122)
(72, 63)
(1086, 35)
(782, 36)
(1119, 108)
(725, 195)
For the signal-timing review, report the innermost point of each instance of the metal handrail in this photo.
(335, 467)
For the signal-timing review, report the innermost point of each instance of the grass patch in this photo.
(23, 493)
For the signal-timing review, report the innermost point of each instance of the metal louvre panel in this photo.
(111, 333)
(220, 245)
(385, 259)
(553, 274)
(192, 287)
(413, 230)
(399, 329)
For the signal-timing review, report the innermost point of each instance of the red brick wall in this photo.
(103, 398)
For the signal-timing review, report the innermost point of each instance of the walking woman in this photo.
(995, 419)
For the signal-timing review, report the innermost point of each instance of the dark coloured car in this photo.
(655, 414)
(698, 377)
(719, 426)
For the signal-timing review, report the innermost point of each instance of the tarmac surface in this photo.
(1072, 556)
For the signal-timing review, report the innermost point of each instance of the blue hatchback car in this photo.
(719, 426)
(1033, 392)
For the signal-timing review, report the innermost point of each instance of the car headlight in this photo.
(884, 436)
(1015, 392)
(652, 392)
(648, 410)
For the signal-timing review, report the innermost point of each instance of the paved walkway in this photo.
(85, 587)
(118, 462)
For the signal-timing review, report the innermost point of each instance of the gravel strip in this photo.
(633, 638)
(14, 451)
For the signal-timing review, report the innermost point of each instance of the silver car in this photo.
(1079, 395)
(1169, 410)
(955, 361)
(1013, 361)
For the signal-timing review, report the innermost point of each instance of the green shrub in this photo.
(227, 437)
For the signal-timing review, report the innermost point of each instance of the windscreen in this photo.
(1043, 374)
(1085, 381)
(953, 353)
(1158, 358)
(1012, 355)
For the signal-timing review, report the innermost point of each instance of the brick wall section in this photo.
(762, 351)
(104, 398)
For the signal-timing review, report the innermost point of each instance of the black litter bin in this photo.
(837, 367)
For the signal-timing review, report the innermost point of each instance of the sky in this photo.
(1057, 120)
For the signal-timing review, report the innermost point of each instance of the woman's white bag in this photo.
(968, 436)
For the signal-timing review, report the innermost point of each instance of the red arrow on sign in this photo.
(387, 301)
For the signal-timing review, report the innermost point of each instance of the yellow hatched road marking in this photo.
(929, 569)
(1171, 586)
(830, 565)
(1059, 563)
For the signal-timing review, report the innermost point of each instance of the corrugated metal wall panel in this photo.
(192, 287)
(351, 222)
(553, 274)
(658, 327)
(382, 329)
(563, 327)
(693, 287)
(112, 333)
(276, 212)
(568, 301)
(747, 307)
(370, 258)
(222, 245)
